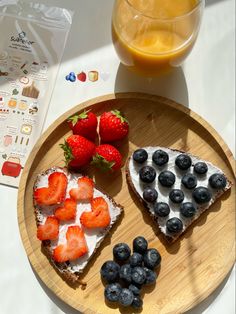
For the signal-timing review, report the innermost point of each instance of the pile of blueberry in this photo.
(200, 194)
(71, 77)
(129, 272)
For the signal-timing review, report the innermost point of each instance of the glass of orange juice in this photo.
(154, 36)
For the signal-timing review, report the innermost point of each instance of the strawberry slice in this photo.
(50, 229)
(55, 192)
(67, 211)
(75, 247)
(99, 217)
(84, 190)
(76, 243)
(60, 253)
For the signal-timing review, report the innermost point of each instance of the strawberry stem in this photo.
(67, 152)
(101, 163)
(118, 114)
(74, 119)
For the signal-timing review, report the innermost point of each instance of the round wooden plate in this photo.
(193, 266)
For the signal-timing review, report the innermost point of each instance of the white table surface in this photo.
(205, 84)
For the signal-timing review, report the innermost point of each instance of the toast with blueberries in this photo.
(73, 216)
(176, 187)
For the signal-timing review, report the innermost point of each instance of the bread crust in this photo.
(202, 209)
(62, 268)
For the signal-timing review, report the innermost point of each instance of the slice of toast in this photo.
(133, 178)
(71, 270)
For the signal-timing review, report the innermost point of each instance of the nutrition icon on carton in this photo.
(11, 167)
(1, 101)
(93, 76)
(26, 129)
(24, 80)
(22, 105)
(15, 92)
(33, 109)
(30, 91)
(7, 140)
(2, 73)
(12, 103)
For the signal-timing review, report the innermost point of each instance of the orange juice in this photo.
(152, 36)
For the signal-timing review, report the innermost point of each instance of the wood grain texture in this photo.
(193, 266)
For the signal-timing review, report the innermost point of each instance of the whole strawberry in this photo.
(113, 126)
(84, 124)
(107, 157)
(78, 151)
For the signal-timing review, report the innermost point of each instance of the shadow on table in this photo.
(210, 2)
(172, 85)
(200, 308)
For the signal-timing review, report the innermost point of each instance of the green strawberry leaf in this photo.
(118, 114)
(74, 119)
(101, 163)
(84, 114)
(67, 152)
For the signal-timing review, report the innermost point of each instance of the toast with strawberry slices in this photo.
(73, 216)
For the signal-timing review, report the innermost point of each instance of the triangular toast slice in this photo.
(70, 270)
(174, 216)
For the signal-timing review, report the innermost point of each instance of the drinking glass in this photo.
(154, 36)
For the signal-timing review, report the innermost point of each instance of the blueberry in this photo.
(126, 297)
(151, 276)
(160, 157)
(121, 252)
(136, 259)
(217, 181)
(201, 195)
(174, 225)
(72, 78)
(136, 289)
(183, 161)
(189, 181)
(67, 77)
(200, 167)
(137, 302)
(152, 258)
(187, 209)
(140, 245)
(138, 275)
(150, 195)
(147, 174)
(161, 209)
(140, 155)
(166, 178)
(112, 292)
(110, 271)
(125, 273)
(176, 196)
